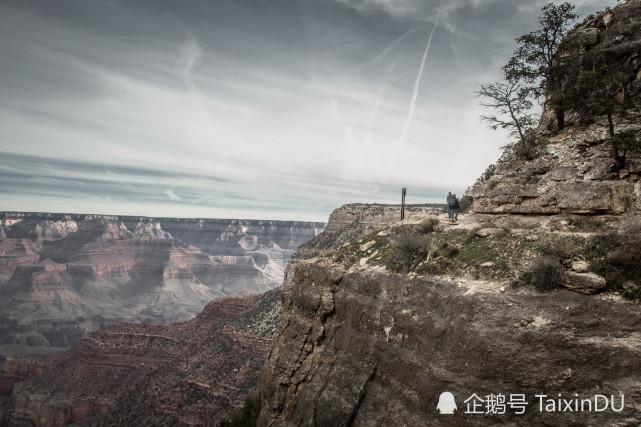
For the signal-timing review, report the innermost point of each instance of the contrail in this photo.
(417, 83)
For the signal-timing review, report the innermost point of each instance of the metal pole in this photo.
(403, 193)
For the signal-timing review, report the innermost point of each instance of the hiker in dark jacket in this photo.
(450, 206)
(455, 207)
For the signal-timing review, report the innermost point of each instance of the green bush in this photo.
(427, 226)
(546, 274)
(409, 250)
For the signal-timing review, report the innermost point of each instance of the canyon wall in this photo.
(365, 347)
(360, 345)
(191, 373)
(63, 276)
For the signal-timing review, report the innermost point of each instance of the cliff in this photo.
(572, 171)
(526, 311)
(350, 222)
(63, 276)
(362, 345)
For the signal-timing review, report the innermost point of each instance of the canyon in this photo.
(376, 318)
(187, 373)
(64, 276)
(128, 280)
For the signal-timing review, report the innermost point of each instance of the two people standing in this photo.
(453, 206)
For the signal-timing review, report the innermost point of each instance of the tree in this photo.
(623, 142)
(534, 62)
(513, 106)
(589, 87)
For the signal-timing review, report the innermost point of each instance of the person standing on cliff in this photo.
(449, 205)
(456, 206)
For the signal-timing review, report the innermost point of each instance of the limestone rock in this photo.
(393, 343)
(579, 266)
(572, 172)
(585, 283)
(485, 232)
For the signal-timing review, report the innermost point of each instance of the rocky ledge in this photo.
(361, 344)
(570, 173)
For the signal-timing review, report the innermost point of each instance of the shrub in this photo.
(525, 151)
(588, 224)
(409, 249)
(427, 226)
(489, 173)
(466, 203)
(559, 248)
(546, 274)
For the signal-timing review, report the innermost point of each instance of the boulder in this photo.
(485, 232)
(580, 266)
(598, 170)
(584, 283)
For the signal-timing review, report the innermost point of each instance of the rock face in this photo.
(62, 276)
(616, 35)
(573, 173)
(352, 221)
(570, 175)
(192, 373)
(366, 347)
(15, 368)
(585, 283)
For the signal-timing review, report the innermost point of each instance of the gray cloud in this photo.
(244, 108)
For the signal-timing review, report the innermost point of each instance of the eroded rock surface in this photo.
(192, 373)
(63, 276)
(365, 347)
(571, 174)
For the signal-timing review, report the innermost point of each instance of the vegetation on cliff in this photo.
(516, 252)
(577, 74)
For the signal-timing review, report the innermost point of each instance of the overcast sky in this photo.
(268, 109)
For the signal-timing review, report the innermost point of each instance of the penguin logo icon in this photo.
(446, 403)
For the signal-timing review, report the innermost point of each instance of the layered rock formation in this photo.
(66, 275)
(572, 171)
(18, 364)
(192, 373)
(571, 174)
(360, 345)
(350, 222)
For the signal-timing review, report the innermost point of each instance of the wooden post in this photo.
(403, 193)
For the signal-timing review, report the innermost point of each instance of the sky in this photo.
(265, 109)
